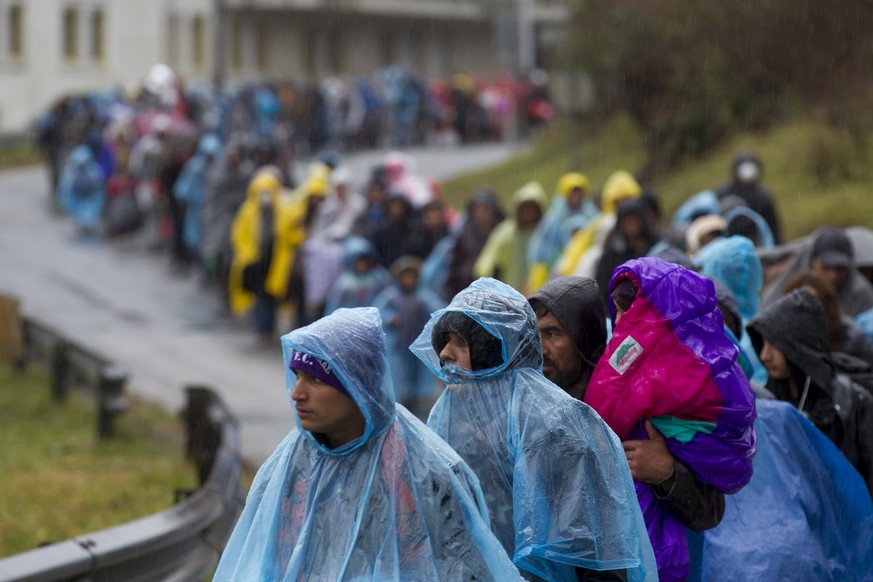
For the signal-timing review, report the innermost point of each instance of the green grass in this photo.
(18, 155)
(597, 154)
(818, 175)
(59, 481)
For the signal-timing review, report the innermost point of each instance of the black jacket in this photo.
(755, 196)
(839, 407)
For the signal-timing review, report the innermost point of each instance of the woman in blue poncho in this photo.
(361, 489)
(82, 188)
(190, 188)
(555, 478)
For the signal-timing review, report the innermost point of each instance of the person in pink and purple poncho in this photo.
(669, 373)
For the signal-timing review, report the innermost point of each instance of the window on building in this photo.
(335, 52)
(262, 46)
(97, 35)
(173, 34)
(310, 51)
(71, 33)
(198, 42)
(386, 48)
(16, 31)
(236, 42)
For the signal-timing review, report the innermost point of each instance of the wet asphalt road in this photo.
(124, 302)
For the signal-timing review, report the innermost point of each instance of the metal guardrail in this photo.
(15, 139)
(182, 543)
(72, 365)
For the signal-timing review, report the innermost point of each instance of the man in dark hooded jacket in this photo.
(745, 184)
(572, 322)
(483, 214)
(790, 336)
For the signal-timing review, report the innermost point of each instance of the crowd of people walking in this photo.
(629, 396)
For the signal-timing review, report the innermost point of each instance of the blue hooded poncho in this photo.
(82, 188)
(765, 235)
(190, 187)
(702, 203)
(735, 263)
(805, 516)
(555, 477)
(394, 504)
(352, 289)
(404, 314)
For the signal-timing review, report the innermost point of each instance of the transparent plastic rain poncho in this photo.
(82, 188)
(555, 477)
(404, 314)
(734, 262)
(394, 504)
(805, 516)
(190, 188)
(702, 203)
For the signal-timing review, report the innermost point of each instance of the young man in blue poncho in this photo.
(361, 489)
(555, 478)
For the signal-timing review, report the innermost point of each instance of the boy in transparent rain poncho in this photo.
(555, 478)
(361, 489)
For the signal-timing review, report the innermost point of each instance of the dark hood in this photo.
(796, 325)
(577, 304)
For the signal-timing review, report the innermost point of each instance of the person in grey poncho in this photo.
(554, 475)
(360, 489)
(828, 253)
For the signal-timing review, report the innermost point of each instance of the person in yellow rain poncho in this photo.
(582, 253)
(303, 202)
(302, 206)
(504, 256)
(572, 209)
(262, 241)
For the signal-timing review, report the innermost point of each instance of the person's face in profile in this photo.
(323, 409)
(456, 351)
(775, 362)
(835, 277)
(561, 362)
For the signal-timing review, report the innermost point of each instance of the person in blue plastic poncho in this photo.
(82, 188)
(360, 489)
(362, 279)
(743, 221)
(805, 515)
(190, 189)
(734, 262)
(555, 478)
(405, 307)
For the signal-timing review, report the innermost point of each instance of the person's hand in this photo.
(650, 460)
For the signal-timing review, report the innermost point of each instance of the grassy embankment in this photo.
(59, 481)
(818, 175)
(15, 156)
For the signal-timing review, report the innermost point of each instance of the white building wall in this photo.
(136, 36)
(176, 33)
(141, 33)
(363, 50)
